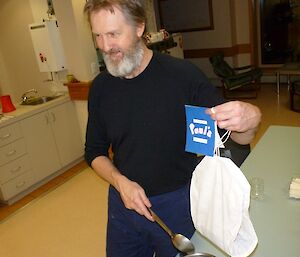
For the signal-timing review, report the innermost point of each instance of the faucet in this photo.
(24, 97)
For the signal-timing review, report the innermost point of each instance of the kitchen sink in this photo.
(38, 100)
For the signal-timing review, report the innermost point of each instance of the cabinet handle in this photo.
(12, 152)
(47, 119)
(15, 169)
(21, 184)
(53, 117)
(6, 136)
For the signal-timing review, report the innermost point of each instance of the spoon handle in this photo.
(161, 223)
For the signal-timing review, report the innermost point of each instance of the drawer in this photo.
(14, 169)
(9, 134)
(16, 185)
(12, 151)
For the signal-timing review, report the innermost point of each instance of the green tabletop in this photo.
(276, 218)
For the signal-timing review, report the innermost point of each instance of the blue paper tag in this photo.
(200, 131)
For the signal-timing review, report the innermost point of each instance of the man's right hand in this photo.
(133, 196)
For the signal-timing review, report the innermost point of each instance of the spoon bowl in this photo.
(182, 243)
(200, 255)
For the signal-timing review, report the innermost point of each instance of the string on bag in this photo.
(223, 140)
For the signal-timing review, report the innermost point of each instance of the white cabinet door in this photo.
(66, 132)
(40, 143)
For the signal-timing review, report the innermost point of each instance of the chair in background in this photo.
(241, 82)
(294, 96)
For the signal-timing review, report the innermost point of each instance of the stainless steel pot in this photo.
(199, 255)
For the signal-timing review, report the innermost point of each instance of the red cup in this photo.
(7, 105)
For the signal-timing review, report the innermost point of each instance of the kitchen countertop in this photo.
(24, 111)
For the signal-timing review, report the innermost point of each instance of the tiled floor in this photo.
(275, 108)
(6, 210)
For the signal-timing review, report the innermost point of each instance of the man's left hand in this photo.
(239, 117)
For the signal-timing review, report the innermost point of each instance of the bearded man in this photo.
(138, 107)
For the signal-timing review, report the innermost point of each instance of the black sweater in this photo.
(144, 120)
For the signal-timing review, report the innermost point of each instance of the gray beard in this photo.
(131, 60)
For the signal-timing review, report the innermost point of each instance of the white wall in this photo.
(242, 27)
(77, 38)
(231, 27)
(39, 10)
(4, 81)
(151, 21)
(18, 63)
(79, 47)
(242, 21)
(18, 67)
(220, 36)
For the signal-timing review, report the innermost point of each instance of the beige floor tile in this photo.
(8, 210)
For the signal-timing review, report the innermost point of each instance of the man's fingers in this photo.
(145, 205)
(134, 198)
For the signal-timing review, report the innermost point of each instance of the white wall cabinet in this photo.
(40, 144)
(16, 172)
(53, 139)
(66, 132)
(37, 148)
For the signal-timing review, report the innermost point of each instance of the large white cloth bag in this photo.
(220, 198)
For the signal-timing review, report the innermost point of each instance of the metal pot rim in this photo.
(199, 255)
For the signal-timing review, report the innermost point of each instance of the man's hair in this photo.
(133, 10)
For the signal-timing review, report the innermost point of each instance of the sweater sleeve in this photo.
(96, 143)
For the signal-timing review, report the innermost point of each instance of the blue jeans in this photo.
(132, 235)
